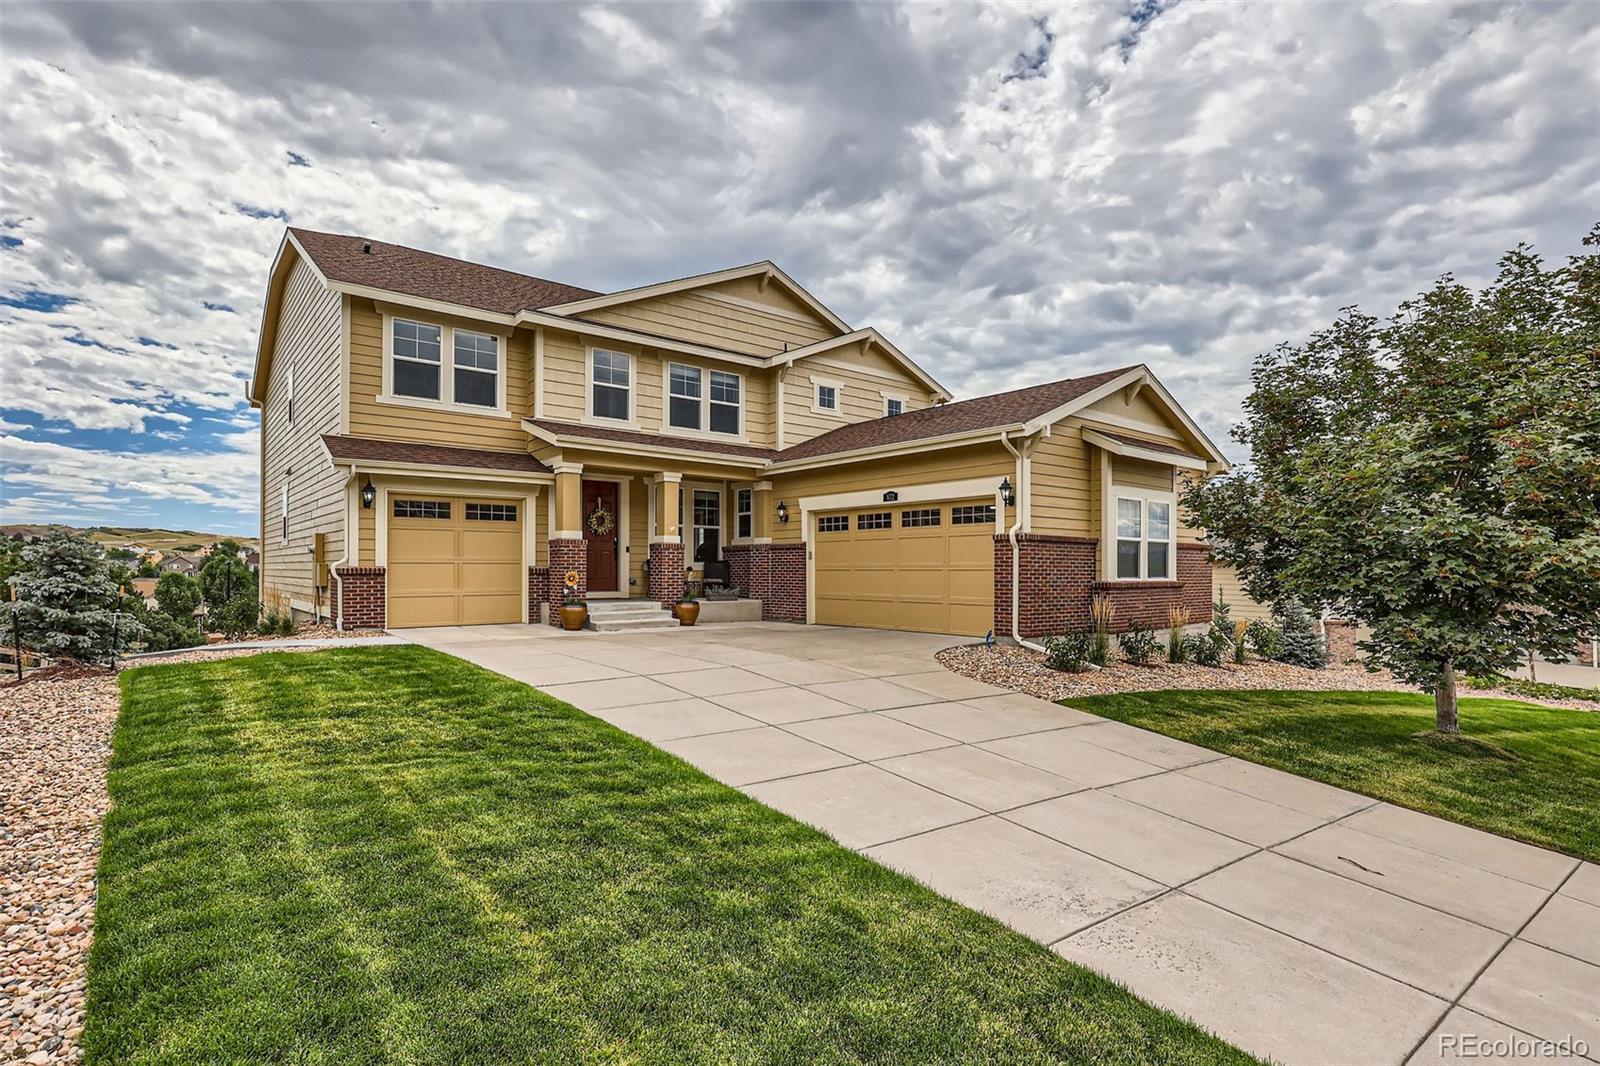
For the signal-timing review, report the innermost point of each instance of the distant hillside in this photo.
(165, 540)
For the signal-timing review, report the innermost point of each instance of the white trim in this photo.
(737, 514)
(868, 337)
(344, 365)
(576, 439)
(1150, 455)
(1141, 375)
(1088, 419)
(624, 545)
(439, 470)
(886, 396)
(928, 492)
(695, 281)
(705, 432)
(1144, 497)
(592, 419)
(538, 372)
(447, 369)
(817, 385)
(884, 451)
(587, 328)
(686, 493)
(778, 385)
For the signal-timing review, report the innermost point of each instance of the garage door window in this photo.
(982, 515)
(491, 512)
(875, 520)
(834, 523)
(923, 516)
(421, 509)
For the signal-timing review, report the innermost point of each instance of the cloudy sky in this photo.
(1011, 193)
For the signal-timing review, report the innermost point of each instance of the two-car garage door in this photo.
(927, 567)
(455, 560)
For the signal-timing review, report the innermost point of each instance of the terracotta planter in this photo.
(688, 613)
(572, 618)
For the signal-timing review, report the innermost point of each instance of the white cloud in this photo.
(1012, 194)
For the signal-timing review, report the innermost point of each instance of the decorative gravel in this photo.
(1023, 670)
(55, 742)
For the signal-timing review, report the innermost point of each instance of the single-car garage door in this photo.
(927, 567)
(455, 560)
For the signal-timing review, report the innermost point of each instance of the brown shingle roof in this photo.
(396, 268)
(367, 449)
(984, 412)
(658, 440)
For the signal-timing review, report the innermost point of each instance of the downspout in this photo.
(1016, 557)
(338, 616)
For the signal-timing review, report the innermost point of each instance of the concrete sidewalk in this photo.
(1304, 923)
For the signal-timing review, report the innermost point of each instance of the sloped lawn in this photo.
(379, 855)
(1519, 769)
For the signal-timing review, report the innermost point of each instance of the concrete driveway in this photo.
(1302, 922)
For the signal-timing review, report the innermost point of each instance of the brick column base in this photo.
(784, 582)
(566, 555)
(1055, 574)
(666, 572)
(538, 591)
(363, 597)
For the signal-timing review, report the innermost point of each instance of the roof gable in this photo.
(765, 274)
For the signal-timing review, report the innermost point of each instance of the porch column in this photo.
(759, 581)
(761, 503)
(569, 552)
(666, 542)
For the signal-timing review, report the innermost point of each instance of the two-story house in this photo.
(444, 443)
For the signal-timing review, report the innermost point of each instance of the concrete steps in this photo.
(628, 616)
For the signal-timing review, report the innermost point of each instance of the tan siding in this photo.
(698, 316)
(1066, 484)
(308, 340)
(1141, 475)
(952, 464)
(1225, 582)
(861, 399)
(371, 418)
(1146, 415)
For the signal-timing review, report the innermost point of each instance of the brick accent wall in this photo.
(566, 555)
(785, 599)
(1057, 577)
(666, 573)
(740, 558)
(538, 591)
(363, 594)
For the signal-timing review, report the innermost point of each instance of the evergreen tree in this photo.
(66, 600)
(1298, 641)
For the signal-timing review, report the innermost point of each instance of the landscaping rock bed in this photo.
(1023, 670)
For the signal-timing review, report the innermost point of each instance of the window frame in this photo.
(744, 514)
(703, 430)
(840, 523)
(283, 509)
(895, 397)
(289, 390)
(1144, 539)
(589, 385)
(699, 398)
(820, 383)
(446, 367)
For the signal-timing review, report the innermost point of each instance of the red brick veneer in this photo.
(538, 590)
(785, 600)
(1057, 578)
(363, 597)
(666, 573)
(566, 555)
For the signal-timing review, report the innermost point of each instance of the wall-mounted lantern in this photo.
(369, 495)
(1007, 493)
(783, 512)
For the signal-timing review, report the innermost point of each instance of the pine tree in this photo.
(66, 600)
(1299, 643)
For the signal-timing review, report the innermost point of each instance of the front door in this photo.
(600, 518)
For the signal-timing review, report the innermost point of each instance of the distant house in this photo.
(146, 588)
(251, 557)
(179, 564)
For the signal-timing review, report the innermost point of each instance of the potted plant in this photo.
(574, 610)
(688, 610)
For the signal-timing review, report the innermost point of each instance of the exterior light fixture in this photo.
(783, 511)
(1007, 493)
(368, 494)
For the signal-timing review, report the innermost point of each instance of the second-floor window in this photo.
(683, 399)
(477, 368)
(417, 353)
(611, 385)
(691, 405)
(725, 390)
(893, 405)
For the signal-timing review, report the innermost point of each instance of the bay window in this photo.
(1144, 538)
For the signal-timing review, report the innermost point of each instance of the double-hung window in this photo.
(725, 392)
(611, 385)
(1144, 538)
(477, 368)
(743, 522)
(417, 354)
(825, 396)
(683, 396)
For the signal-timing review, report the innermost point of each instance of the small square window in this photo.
(834, 523)
(491, 512)
(922, 516)
(979, 515)
(875, 520)
(827, 397)
(421, 509)
(893, 405)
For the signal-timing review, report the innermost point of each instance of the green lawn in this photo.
(1519, 769)
(387, 855)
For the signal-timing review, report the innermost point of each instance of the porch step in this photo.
(626, 616)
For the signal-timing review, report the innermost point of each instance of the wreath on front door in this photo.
(601, 520)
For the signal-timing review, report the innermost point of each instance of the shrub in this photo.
(1263, 637)
(1104, 614)
(268, 624)
(286, 624)
(1069, 652)
(178, 595)
(1206, 649)
(238, 616)
(1298, 642)
(1177, 618)
(1138, 644)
